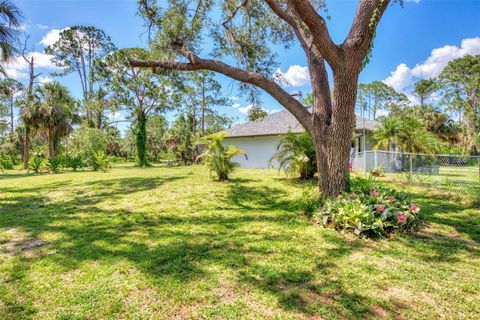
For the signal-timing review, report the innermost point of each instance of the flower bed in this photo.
(377, 213)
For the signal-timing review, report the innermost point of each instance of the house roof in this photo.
(282, 122)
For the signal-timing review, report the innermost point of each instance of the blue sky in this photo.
(412, 42)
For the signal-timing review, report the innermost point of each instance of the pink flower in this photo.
(379, 207)
(401, 218)
(353, 195)
(414, 207)
(374, 193)
(391, 198)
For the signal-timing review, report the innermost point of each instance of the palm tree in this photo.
(296, 155)
(386, 135)
(10, 20)
(55, 114)
(31, 116)
(406, 134)
(217, 156)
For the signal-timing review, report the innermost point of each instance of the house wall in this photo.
(259, 149)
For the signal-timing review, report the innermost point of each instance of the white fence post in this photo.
(364, 160)
(375, 160)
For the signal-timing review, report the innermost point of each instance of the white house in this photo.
(260, 138)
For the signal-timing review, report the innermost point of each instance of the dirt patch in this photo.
(14, 241)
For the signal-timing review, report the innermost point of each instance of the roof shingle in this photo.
(282, 122)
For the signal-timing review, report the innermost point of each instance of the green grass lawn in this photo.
(166, 243)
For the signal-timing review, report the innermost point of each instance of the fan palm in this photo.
(54, 115)
(386, 134)
(217, 156)
(10, 20)
(296, 155)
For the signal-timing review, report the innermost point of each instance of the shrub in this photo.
(73, 162)
(6, 164)
(100, 161)
(54, 164)
(36, 163)
(89, 143)
(376, 213)
(296, 155)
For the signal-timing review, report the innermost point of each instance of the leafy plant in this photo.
(54, 164)
(296, 155)
(361, 184)
(35, 164)
(6, 164)
(376, 213)
(74, 162)
(217, 156)
(100, 161)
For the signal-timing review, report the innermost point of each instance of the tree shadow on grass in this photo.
(164, 247)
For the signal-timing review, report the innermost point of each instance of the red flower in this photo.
(414, 207)
(374, 193)
(401, 218)
(353, 195)
(379, 207)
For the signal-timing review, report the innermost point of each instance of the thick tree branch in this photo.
(318, 29)
(316, 65)
(291, 104)
(362, 31)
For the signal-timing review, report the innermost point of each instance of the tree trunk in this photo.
(204, 102)
(12, 116)
(333, 139)
(51, 146)
(141, 139)
(99, 120)
(25, 147)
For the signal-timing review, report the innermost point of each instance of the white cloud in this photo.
(45, 80)
(245, 110)
(51, 37)
(236, 105)
(296, 76)
(403, 76)
(17, 68)
(42, 26)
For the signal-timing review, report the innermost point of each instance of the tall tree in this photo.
(376, 96)
(460, 81)
(10, 91)
(75, 51)
(54, 114)
(425, 88)
(204, 94)
(245, 34)
(138, 90)
(10, 20)
(27, 110)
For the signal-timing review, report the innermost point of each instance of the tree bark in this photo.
(12, 116)
(51, 145)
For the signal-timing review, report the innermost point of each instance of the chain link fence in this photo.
(454, 173)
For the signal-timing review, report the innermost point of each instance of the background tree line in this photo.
(46, 123)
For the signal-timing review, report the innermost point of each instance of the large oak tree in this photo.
(244, 40)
